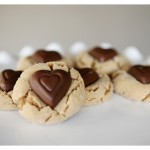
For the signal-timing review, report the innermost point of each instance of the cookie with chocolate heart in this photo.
(41, 56)
(133, 84)
(8, 79)
(98, 87)
(102, 60)
(49, 93)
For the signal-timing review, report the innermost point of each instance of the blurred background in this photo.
(93, 24)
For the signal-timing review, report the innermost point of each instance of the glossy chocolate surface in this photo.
(43, 56)
(141, 73)
(89, 75)
(50, 86)
(8, 79)
(102, 55)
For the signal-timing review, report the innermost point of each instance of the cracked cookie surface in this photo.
(99, 92)
(33, 109)
(109, 66)
(6, 102)
(127, 86)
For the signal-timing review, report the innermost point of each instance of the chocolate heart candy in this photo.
(50, 86)
(102, 54)
(43, 56)
(141, 73)
(8, 79)
(89, 75)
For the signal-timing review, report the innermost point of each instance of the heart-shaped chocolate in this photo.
(43, 56)
(102, 54)
(50, 86)
(8, 79)
(141, 73)
(89, 75)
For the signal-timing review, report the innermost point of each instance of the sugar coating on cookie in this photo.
(84, 59)
(33, 109)
(41, 56)
(128, 86)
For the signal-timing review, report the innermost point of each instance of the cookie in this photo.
(41, 56)
(8, 79)
(102, 60)
(49, 93)
(133, 84)
(98, 87)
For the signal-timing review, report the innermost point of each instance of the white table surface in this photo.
(115, 122)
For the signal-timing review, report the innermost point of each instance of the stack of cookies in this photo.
(47, 88)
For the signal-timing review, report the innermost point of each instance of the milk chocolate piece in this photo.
(43, 56)
(102, 54)
(89, 75)
(8, 79)
(50, 86)
(141, 73)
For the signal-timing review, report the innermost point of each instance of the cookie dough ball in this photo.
(134, 84)
(8, 79)
(98, 87)
(49, 93)
(102, 60)
(41, 56)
